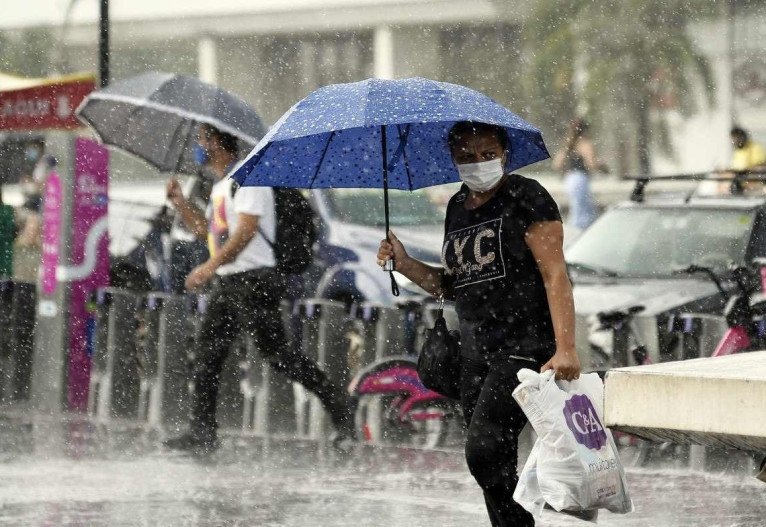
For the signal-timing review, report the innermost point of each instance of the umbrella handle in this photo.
(389, 265)
(394, 285)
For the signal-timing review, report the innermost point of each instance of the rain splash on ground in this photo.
(77, 474)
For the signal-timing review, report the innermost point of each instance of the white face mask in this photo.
(480, 177)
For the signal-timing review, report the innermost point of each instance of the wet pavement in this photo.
(75, 473)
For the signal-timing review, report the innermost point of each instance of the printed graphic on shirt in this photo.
(218, 230)
(473, 254)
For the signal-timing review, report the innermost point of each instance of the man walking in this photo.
(245, 295)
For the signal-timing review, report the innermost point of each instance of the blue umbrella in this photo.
(379, 134)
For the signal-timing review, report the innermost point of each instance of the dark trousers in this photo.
(249, 302)
(184, 256)
(494, 422)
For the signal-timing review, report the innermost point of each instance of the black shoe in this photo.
(344, 421)
(344, 417)
(343, 442)
(194, 443)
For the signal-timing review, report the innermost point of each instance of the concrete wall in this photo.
(712, 401)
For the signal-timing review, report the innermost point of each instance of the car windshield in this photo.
(365, 207)
(654, 242)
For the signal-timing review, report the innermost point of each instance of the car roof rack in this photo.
(737, 178)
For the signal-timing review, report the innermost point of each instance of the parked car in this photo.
(350, 225)
(350, 233)
(634, 254)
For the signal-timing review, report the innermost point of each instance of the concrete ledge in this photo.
(712, 401)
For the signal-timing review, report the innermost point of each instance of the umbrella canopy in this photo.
(382, 134)
(155, 116)
(335, 137)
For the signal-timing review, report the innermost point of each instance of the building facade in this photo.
(274, 52)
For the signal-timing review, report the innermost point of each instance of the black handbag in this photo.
(439, 360)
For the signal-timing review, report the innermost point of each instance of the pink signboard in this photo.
(89, 259)
(52, 202)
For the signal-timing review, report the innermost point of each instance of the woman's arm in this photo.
(588, 153)
(559, 159)
(427, 277)
(546, 240)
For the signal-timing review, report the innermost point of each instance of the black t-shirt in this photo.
(491, 273)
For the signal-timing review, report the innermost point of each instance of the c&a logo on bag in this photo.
(584, 423)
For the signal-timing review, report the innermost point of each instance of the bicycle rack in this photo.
(17, 323)
(114, 381)
(164, 395)
(324, 327)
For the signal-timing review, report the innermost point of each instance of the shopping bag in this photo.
(574, 465)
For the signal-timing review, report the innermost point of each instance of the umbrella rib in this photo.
(404, 154)
(196, 116)
(125, 123)
(182, 125)
(321, 159)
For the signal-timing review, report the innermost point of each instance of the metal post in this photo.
(730, 56)
(51, 331)
(324, 326)
(119, 388)
(166, 359)
(103, 44)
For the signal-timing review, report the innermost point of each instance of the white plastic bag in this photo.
(574, 465)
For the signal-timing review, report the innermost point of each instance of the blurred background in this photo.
(662, 82)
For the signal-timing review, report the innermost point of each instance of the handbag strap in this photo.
(440, 311)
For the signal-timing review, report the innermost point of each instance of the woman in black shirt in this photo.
(504, 267)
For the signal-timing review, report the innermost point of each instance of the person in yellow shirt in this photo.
(747, 154)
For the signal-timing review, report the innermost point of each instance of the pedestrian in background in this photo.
(578, 161)
(246, 293)
(29, 217)
(747, 154)
(7, 235)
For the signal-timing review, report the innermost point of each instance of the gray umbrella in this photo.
(155, 116)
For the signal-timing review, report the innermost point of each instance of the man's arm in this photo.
(193, 218)
(247, 227)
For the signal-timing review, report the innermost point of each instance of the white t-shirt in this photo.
(222, 218)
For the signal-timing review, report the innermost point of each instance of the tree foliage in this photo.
(28, 55)
(628, 56)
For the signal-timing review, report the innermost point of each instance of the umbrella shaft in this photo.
(385, 175)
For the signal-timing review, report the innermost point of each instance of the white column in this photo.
(725, 89)
(207, 60)
(383, 53)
